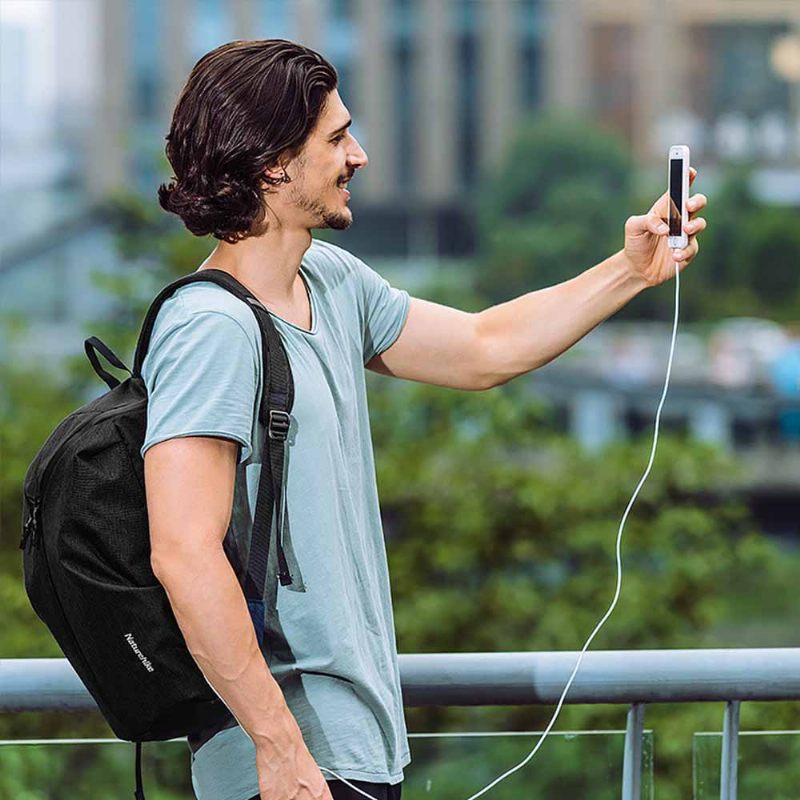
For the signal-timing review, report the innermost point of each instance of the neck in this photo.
(268, 264)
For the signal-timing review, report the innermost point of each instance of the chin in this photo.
(337, 220)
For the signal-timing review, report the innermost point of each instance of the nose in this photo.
(358, 156)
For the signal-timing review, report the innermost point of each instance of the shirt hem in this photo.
(362, 775)
(244, 454)
(397, 330)
(370, 777)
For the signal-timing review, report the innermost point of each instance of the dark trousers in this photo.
(380, 791)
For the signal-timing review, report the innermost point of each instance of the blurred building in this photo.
(437, 87)
(721, 75)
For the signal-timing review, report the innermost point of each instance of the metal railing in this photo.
(634, 678)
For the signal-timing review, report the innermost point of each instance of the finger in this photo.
(659, 207)
(656, 224)
(695, 203)
(692, 175)
(687, 253)
(695, 226)
(662, 205)
(645, 223)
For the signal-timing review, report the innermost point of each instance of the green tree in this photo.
(501, 538)
(559, 199)
(557, 204)
(500, 531)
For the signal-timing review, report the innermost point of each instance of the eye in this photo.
(338, 138)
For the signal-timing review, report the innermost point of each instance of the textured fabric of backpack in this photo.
(86, 549)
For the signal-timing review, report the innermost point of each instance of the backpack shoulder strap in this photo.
(218, 276)
(277, 400)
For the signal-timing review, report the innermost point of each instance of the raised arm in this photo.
(447, 347)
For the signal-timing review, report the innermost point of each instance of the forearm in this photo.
(212, 614)
(530, 331)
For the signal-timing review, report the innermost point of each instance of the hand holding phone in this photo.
(667, 233)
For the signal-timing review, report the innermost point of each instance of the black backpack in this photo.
(86, 544)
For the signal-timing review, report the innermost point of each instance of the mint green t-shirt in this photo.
(329, 637)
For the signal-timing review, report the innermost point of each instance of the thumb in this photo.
(646, 223)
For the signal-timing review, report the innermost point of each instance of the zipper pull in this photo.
(30, 527)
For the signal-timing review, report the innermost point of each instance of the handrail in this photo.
(610, 676)
(433, 679)
(633, 677)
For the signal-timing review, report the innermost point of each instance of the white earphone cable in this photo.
(619, 575)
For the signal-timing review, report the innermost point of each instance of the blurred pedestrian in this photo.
(785, 374)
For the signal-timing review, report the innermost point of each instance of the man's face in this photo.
(330, 157)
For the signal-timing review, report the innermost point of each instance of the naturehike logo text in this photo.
(140, 655)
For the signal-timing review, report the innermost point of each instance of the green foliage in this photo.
(557, 205)
(500, 532)
(457, 767)
(502, 538)
(92, 769)
(558, 200)
(758, 756)
(770, 251)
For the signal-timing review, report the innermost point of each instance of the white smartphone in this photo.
(678, 180)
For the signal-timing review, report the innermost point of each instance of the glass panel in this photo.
(570, 764)
(769, 765)
(456, 766)
(63, 769)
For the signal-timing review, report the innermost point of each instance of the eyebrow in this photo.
(339, 130)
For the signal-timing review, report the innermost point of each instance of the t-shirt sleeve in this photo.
(384, 310)
(201, 375)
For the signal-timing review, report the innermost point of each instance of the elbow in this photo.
(485, 382)
(160, 567)
(492, 381)
(490, 375)
(497, 368)
(484, 373)
(165, 565)
(182, 565)
(494, 367)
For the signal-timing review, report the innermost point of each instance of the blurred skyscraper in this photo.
(436, 88)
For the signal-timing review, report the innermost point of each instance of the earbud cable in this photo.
(619, 576)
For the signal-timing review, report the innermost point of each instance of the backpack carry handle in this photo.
(92, 346)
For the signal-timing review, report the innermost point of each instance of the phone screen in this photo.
(675, 195)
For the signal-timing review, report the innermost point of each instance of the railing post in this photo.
(730, 751)
(632, 761)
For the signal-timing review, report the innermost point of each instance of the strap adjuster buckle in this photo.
(278, 426)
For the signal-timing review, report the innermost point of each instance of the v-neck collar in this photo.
(312, 304)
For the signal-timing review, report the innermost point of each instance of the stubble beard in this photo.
(327, 217)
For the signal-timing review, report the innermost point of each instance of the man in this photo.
(261, 151)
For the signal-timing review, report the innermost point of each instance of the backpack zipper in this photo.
(31, 526)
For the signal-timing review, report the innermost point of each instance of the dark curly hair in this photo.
(244, 104)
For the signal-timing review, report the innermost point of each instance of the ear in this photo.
(274, 176)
